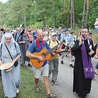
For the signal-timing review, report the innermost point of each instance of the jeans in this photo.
(53, 68)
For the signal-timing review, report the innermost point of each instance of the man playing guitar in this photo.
(44, 70)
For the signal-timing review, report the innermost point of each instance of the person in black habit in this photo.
(83, 50)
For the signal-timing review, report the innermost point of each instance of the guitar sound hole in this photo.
(38, 61)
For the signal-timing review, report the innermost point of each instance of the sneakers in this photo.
(17, 91)
(37, 90)
(55, 82)
(29, 65)
(62, 62)
(50, 96)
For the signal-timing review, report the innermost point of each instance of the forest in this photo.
(54, 13)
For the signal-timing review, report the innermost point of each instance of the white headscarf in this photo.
(7, 35)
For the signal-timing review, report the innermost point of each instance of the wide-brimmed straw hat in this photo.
(6, 66)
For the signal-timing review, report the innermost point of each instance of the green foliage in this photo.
(64, 17)
(78, 11)
(95, 37)
(29, 12)
(50, 21)
(14, 12)
(38, 24)
(93, 12)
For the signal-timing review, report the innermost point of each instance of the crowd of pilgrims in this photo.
(25, 36)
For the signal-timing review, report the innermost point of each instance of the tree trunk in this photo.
(19, 19)
(69, 8)
(73, 18)
(64, 5)
(72, 14)
(43, 20)
(54, 24)
(87, 12)
(63, 10)
(24, 20)
(84, 10)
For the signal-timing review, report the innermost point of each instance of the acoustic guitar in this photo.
(56, 52)
(44, 53)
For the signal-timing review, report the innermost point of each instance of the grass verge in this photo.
(27, 86)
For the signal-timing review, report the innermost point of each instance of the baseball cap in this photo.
(53, 33)
(66, 29)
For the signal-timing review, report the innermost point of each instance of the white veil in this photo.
(7, 35)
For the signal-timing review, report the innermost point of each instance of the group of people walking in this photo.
(25, 45)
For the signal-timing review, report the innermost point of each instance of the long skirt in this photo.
(11, 81)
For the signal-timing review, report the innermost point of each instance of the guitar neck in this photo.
(52, 49)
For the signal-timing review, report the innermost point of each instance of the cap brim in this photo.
(54, 34)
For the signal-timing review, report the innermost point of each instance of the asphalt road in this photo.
(64, 89)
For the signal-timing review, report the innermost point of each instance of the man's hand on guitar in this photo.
(40, 58)
(53, 53)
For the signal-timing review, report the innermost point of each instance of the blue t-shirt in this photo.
(69, 39)
(33, 48)
(62, 37)
(34, 35)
